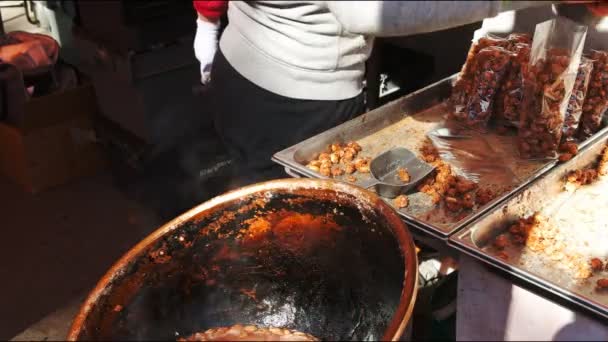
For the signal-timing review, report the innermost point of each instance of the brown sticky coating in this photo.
(401, 201)
(509, 97)
(577, 98)
(596, 102)
(541, 120)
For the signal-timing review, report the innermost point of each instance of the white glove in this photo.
(205, 46)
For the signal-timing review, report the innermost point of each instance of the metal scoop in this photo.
(384, 170)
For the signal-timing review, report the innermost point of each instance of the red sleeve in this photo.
(211, 9)
(599, 9)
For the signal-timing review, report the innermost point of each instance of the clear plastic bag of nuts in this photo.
(556, 53)
(596, 101)
(577, 99)
(464, 84)
(490, 68)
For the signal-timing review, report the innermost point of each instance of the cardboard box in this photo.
(55, 143)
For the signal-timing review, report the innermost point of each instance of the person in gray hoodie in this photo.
(287, 70)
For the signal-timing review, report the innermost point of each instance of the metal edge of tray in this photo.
(463, 242)
(415, 102)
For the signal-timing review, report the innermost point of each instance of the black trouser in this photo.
(254, 123)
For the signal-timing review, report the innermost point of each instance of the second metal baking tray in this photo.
(547, 195)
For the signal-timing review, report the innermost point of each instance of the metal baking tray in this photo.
(546, 194)
(405, 122)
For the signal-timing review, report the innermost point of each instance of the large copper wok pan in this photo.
(322, 257)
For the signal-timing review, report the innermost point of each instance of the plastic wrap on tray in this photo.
(596, 101)
(510, 94)
(577, 98)
(548, 82)
(463, 87)
(491, 66)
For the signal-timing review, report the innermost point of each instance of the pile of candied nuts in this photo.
(339, 159)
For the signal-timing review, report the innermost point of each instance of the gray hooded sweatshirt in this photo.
(316, 50)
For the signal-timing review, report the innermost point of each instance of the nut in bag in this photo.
(556, 53)
(596, 101)
(577, 98)
(464, 85)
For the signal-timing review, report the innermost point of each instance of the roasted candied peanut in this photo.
(464, 185)
(324, 156)
(403, 175)
(354, 145)
(483, 196)
(569, 147)
(582, 177)
(602, 284)
(401, 201)
(596, 264)
(349, 168)
(325, 171)
(362, 165)
(337, 171)
(313, 167)
(501, 241)
(564, 157)
(349, 155)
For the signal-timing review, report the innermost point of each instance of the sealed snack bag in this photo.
(556, 53)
